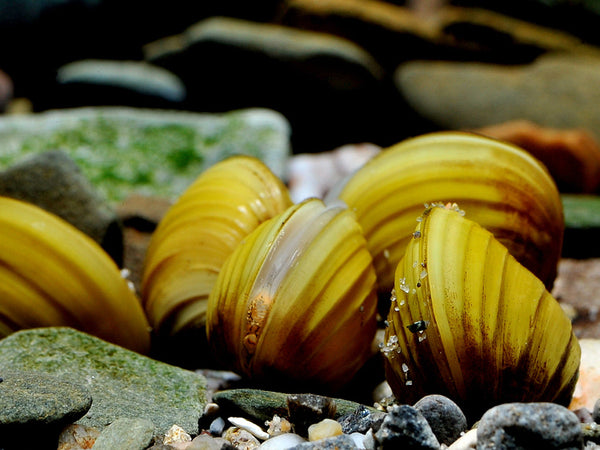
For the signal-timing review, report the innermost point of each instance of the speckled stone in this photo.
(122, 383)
(446, 419)
(361, 420)
(529, 425)
(36, 405)
(31, 399)
(341, 442)
(405, 427)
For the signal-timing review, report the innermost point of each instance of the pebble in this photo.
(126, 434)
(241, 439)
(306, 409)
(282, 442)
(324, 429)
(341, 442)
(217, 426)
(467, 441)
(205, 442)
(446, 419)
(278, 425)
(250, 427)
(405, 427)
(36, 404)
(77, 437)
(175, 435)
(361, 420)
(529, 425)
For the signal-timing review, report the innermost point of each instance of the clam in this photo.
(197, 234)
(52, 274)
(503, 187)
(296, 300)
(470, 322)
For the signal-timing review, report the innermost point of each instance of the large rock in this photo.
(122, 383)
(126, 150)
(330, 89)
(558, 91)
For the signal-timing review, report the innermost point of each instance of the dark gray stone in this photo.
(287, 69)
(35, 406)
(30, 399)
(362, 420)
(54, 182)
(121, 83)
(126, 434)
(341, 442)
(516, 426)
(406, 428)
(306, 409)
(445, 417)
(556, 91)
(122, 383)
(261, 405)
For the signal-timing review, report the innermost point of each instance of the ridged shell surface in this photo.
(198, 233)
(52, 274)
(297, 300)
(504, 189)
(468, 321)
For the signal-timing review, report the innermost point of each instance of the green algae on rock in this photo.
(122, 383)
(124, 150)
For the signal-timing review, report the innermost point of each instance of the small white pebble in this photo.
(250, 427)
(282, 442)
(324, 429)
(241, 439)
(467, 441)
(359, 440)
(176, 435)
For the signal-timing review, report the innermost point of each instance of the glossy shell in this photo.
(199, 232)
(468, 321)
(296, 300)
(52, 274)
(504, 189)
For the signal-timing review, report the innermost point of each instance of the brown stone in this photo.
(572, 156)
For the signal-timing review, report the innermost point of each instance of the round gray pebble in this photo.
(529, 426)
(405, 427)
(126, 434)
(446, 419)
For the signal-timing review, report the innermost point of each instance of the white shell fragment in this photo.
(250, 427)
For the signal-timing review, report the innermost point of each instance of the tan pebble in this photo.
(176, 435)
(324, 429)
(75, 437)
(278, 425)
(241, 439)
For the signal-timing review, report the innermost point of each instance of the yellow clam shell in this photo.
(52, 274)
(468, 321)
(223, 205)
(297, 299)
(504, 188)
